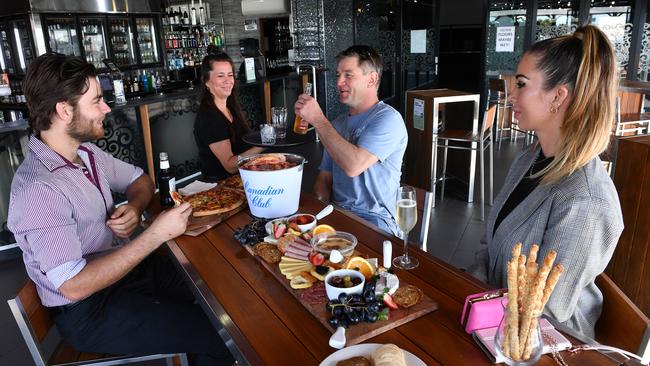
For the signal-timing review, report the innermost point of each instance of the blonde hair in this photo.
(586, 63)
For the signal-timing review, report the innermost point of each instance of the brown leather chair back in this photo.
(621, 323)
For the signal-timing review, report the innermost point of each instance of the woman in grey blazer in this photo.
(557, 194)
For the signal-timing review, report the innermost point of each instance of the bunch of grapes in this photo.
(251, 233)
(352, 309)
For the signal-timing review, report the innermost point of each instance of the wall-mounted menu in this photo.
(94, 41)
(147, 40)
(62, 34)
(121, 41)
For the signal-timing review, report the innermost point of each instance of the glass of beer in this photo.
(406, 219)
(297, 125)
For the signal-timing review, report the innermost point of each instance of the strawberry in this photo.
(390, 302)
(316, 258)
(279, 231)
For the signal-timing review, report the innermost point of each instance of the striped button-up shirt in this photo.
(58, 212)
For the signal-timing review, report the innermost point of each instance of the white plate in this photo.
(366, 350)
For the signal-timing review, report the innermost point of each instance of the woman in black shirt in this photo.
(220, 123)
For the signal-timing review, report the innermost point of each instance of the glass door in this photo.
(406, 36)
(23, 44)
(94, 40)
(6, 57)
(376, 24)
(147, 43)
(62, 35)
(121, 41)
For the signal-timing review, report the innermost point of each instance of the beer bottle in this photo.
(166, 181)
(297, 125)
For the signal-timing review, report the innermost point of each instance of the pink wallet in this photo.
(483, 310)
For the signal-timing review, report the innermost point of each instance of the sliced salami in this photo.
(296, 256)
(297, 251)
(314, 295)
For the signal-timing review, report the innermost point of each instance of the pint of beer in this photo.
(297, 125)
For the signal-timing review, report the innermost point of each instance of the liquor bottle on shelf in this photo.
(166, 181)
(202, 18)
(193, 14)
(186, 18)
(135, 86)
(177, 16)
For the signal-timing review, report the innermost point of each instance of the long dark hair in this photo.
(239, 125)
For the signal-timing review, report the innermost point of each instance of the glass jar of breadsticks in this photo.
(519, 339)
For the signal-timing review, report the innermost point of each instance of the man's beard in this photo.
(82, 129)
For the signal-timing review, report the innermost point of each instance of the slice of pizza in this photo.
(233, 182)
(177, 198)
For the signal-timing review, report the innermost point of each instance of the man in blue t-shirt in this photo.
(362, 161)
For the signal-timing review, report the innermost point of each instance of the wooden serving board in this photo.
(362, 331)
(198, 225)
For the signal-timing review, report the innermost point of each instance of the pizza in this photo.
(211, 202)
(234, 182)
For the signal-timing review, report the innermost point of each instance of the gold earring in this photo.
(553, 109)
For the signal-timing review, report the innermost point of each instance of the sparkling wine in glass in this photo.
(406, 220)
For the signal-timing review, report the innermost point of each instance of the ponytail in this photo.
(586, 63)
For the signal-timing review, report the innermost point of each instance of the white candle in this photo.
(388, 254)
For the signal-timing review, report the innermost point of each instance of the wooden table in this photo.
(265, 325)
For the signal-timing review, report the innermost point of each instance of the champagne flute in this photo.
(406, 220)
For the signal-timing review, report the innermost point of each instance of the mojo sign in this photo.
(505, 39)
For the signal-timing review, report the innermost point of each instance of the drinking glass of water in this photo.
(279, 119)
(267, 134)
(406, 219)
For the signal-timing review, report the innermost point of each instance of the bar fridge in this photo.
(16, 47)
(6, 53)
(93, 35)
(146, 39)
(62, 35)
(121, 43)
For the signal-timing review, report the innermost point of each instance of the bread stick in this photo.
(532, 254)
(512, 311)
(516, 251)
(534, 297)
(531, 274)
(521, 275)
(550, 285)
(529, 343)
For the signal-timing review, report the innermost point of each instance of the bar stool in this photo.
(630, 119)
(498, 94)
(484, 139)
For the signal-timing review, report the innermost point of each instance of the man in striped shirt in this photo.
(107, 294)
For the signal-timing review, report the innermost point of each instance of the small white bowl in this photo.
(304, 227)
(334, 292)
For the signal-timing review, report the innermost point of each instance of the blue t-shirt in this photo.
(372, 194)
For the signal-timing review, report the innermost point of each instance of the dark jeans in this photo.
(150, 310)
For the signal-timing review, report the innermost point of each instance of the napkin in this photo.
(196, 187)
(485, 339)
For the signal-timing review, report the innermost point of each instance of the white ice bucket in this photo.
(273, 193)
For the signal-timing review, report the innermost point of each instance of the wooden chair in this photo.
(621, 323)
(35, 322)
(483, 138)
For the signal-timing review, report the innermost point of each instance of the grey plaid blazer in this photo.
(579, 217)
